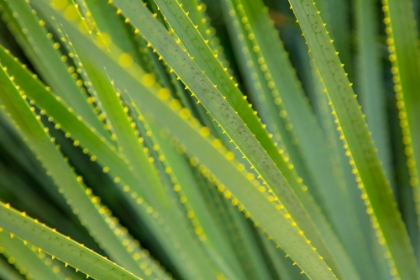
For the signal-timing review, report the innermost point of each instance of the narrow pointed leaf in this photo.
(150, 104)
(358, 140)
(60, 246)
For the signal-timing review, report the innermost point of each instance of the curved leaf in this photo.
(59, 246)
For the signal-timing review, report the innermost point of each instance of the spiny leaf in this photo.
(185, 186)
(88, 208)
(215, 102)
(358, 140)
(150, 104)
(26, 258)
(51, 63)
(404, 56)
(103, 153)
(59, 246)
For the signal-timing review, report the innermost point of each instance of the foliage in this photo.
(173, 147)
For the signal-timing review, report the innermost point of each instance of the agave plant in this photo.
(177, 141)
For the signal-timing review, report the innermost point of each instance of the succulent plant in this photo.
(189, 140)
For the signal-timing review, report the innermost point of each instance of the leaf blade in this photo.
(60, 246)
(358, 139)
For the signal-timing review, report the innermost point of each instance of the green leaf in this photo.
(26, 258)
(369, 74)
(100, 150)
(404, 56)
(207, 93)
(188, 190)
(358, 141)
(252, 198)
(7, 272)
(373, 98)
(51, 62)
(138, 159)
(60, 246)
(83, 203)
